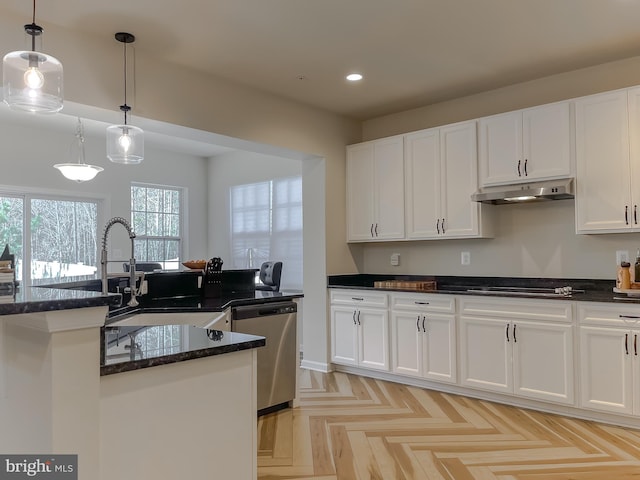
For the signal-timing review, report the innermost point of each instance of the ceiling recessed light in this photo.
(354, 77)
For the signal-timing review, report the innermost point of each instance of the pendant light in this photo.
(125, 143)
(32, 80)
(79, 171)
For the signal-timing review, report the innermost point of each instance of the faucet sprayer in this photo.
(132, 262)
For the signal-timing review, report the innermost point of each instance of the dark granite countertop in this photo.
(179, 343)
(588, 290)
(39, 299)
(196, 303)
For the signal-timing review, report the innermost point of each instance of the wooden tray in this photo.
(423, 286)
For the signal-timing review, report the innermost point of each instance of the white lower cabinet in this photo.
(517, 347)
(360, 329)
(610, 358)
(423, 336)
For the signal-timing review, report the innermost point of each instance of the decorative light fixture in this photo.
(32, 80)
(354, 77)
(79, 171)
(125, 143)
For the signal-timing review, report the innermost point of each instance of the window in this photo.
(59, 240)
(266, 224)
(157, 222)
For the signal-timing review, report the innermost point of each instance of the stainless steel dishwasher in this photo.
(277, 361)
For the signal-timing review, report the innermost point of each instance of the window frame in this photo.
(182, 223)
(27, 194)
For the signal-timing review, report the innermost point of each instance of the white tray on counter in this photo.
(631, 292)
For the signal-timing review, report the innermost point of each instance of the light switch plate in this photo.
(465, 258)
(395, 259)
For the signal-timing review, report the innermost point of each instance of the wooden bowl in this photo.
(195, 264)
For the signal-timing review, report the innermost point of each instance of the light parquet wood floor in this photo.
(348, 427)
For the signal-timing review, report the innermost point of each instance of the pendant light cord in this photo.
(33, 23)
(125, 82)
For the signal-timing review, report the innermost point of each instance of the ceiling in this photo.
(411, 52)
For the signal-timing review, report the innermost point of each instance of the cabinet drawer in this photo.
(423, 302)
(609, 314)
(365, 298)
(512, 309)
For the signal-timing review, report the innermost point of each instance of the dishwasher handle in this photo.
(263, 310)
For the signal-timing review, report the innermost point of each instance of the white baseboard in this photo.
(317, 366)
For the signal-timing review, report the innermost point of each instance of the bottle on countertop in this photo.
(635, 276)
(623, 280)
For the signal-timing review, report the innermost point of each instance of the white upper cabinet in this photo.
(525, 145)
(375, 190)
(440, 176)
(607, 162)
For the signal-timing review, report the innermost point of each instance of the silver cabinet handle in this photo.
(519, 174)
(372, 230)
(421, 303)
(423, 328)
(418, 323)
(360, 299)
(515, 340)
(359, 317)
(507, 332)
(376, 229)
(525, 168)
(438, 226)
(443, 231)
(626, 344)
(354, 317)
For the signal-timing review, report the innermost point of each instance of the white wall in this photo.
(535, 240)
(238, 168)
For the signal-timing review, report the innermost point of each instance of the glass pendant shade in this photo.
(79, 171)
(32, 82)
(125, 144)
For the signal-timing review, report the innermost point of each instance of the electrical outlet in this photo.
(622, 256)
(465, 258)
(395, 259)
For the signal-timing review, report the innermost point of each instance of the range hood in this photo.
(526, 192)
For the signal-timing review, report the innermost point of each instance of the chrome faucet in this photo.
(132, 261)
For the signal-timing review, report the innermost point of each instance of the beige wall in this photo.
(530, 240)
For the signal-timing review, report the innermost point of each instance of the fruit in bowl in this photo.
(195, 264)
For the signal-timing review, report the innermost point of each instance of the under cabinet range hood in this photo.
(525, 192)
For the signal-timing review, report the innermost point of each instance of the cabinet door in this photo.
(422, 183)
(634, 153)
(546, 142)
(500, 146)
(406, 343)
(603, 198)
(373, 335)
(605, 369)
(344, 331)
(439, 347)
(389, 189)
(459, 178)
(543, 361)
(485, 354)
(360, 192)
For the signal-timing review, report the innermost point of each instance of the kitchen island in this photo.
(56, 396)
